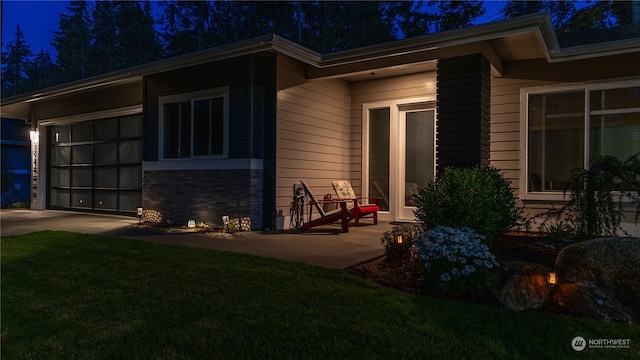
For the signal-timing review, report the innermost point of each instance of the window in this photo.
(194, 125)
(567, 128)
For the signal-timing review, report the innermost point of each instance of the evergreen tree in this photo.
(456, 14)
(15, 62)
(103, 55)
(334, 26)
(264, 17)
(137, 40)
(188, 26)
(73, 41)
(409, 18)
(41, 72)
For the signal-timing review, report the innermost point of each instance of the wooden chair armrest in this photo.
(329, 201)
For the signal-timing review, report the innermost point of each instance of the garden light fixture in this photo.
(225, 223)
(139, 214)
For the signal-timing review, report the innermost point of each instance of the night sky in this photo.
(38, 20)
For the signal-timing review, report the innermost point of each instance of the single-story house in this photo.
(229, 130)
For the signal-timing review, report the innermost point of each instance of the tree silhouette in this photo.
(15, 62)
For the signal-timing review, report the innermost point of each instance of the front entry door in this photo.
(399, 157)
(416, 160)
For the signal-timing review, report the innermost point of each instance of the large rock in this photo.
(605, 274)
(587, 300)
(522, 285)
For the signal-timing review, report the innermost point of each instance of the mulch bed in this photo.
(401, 274)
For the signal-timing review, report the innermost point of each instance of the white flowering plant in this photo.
(455, 260)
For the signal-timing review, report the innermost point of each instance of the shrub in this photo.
(456, 262)
(596, 198)
(20, 205)
(389, 239)
(480, 198)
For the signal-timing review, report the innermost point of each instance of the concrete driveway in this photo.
(323, 246)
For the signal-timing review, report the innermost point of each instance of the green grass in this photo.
(76, 296)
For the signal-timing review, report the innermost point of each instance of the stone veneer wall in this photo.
(204, 195)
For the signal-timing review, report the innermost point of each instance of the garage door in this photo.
(96, 165)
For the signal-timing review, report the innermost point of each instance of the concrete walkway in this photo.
(323, 246)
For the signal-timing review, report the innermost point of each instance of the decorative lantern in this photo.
(225, 223)
(399, 239)
(552, 278)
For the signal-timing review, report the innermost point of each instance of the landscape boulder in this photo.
(521, 285)
(587, 300)
(600, 278)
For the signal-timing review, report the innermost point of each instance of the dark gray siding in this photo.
(464, 93)
(234, 73)
(264, 133)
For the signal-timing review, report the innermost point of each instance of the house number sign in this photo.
(34, 172)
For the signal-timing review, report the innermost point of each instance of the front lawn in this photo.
(76, 296)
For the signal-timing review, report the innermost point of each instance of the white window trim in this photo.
(524, 128)
(194, 96)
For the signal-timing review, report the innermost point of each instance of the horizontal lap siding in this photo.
(312, 136)
(413, 86)
(464, 90)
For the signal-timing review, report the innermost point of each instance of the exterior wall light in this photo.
(399, 239)
(34, 135)
(552, 278)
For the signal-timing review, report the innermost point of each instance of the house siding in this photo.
(208, 193)
(313, 132)
(464, 92)
(234, 73)
(506, 109)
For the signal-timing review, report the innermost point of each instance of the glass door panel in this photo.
(417, 163)
(379, 137)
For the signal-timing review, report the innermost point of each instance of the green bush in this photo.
(596, 198)
(20, 205)
(480, 198)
